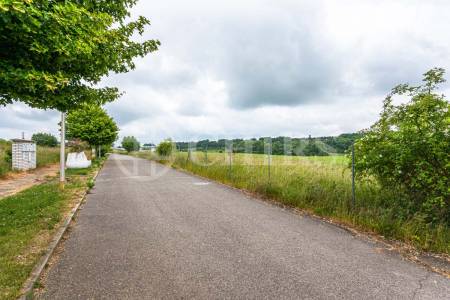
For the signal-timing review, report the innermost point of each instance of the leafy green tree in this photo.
(312, 149)
(408, 147)
(92, 124)
(53, 53)
(341, 143)
(165, 148)
(130, 143)
(45, 139)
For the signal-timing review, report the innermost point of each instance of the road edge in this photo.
(27, 290)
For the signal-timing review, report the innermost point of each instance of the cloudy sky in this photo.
(266, 68)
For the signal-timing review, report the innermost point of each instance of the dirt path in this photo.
(17, 182)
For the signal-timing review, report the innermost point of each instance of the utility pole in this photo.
(62, 154)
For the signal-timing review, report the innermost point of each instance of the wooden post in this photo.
(353, 177)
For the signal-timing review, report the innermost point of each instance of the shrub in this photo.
(130, 143)
(408, 146)
(165, 148)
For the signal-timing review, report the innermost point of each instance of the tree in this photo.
(165, 148)
(54, 52)
(408, 147)
(312, 149)
(130, 143)
(45, 139)
(92, 124)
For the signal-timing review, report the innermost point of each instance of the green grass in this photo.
(321, 185)
(27, 222)
(5, 165)
(47, 156)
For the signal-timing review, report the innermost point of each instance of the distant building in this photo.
(148, 146)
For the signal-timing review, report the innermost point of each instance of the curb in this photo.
(28, 286)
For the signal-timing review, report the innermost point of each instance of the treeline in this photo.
(318, 146)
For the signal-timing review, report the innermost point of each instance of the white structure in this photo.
(77, 161)
(23, 154)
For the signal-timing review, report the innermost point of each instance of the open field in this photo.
(321, 185)
(28, 221)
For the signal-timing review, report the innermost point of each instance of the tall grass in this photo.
(5, 164)
(47, 156)
(321, 185)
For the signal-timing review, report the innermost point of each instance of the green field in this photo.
(321, 185)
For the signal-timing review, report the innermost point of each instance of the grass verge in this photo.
(28, 221)
(322, 186)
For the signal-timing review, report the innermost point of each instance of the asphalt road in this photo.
(150, 232)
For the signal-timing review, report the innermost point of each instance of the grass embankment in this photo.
(5, 164)
(44, 156)
(28, 221)
(321, 185)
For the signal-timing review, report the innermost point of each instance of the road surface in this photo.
(150, 232)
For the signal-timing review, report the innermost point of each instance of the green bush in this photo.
(165, 148)
(408, 149)
(130, 143)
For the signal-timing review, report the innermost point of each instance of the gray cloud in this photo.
(259, 67)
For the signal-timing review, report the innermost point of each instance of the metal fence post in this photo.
(229, 149)
(353, 176)
(269, 155)
(188, 158)
(229, 160)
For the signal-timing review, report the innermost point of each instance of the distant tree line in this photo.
(45, 139)
(318, 146)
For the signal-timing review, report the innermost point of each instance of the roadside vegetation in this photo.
(28, 221)
(130, 143)
(5, 157)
